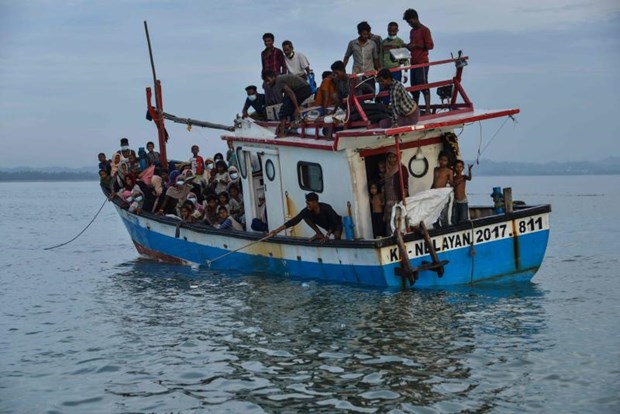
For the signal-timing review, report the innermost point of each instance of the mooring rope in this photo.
(83, 230)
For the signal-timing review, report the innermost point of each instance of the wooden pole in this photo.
(508, 200)
(161, 131)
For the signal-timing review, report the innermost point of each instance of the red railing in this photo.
(354, 101)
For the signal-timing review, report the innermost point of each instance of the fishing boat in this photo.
(503, 242)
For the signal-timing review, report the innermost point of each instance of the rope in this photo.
(480, 152)
(83, 230)
(239, 248)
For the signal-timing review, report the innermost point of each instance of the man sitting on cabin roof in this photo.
(316, 215)
(295, 91)
(404, 109)
(256, 101)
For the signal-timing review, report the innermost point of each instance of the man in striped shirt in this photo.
(404, 109)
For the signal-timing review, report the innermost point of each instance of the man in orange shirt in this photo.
(324, 95)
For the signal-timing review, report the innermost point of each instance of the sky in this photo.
(73, 73)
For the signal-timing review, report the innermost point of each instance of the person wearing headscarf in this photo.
(121, 173)
(233, 173)
(136, 200)
(114, 163)
(392, 189)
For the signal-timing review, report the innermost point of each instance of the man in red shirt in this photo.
(273, 60)
(420, 42)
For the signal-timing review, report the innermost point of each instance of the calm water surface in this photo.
(92, 328)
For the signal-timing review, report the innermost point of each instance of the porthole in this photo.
(270, 170)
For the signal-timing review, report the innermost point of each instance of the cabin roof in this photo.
(454, 118)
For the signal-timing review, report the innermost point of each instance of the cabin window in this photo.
(310, 176)
(257, 164)
(241, 162)
(270, 170)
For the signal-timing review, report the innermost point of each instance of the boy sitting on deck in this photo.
(460, 209)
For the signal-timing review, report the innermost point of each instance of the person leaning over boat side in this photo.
(295, 91)
(256, 101)
(272, 59)
(391, 189)
(420, 42)
(404, 109)
(316, 215)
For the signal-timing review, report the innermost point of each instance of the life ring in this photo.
(418, 167)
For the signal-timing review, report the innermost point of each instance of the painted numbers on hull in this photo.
(476, 236)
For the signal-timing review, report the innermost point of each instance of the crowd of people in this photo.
(209, 190)
(288, 79)
(198, 190)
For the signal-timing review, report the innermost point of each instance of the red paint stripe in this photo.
(406, 145)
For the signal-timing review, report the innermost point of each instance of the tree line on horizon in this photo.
(611, 166)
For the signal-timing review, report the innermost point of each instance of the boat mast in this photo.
(159, 119)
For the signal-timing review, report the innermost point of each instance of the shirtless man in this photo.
(442, 176)
(460, 209)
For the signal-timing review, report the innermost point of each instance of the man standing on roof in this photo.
(420, 42)
(272, 59)
(295, 90)
(296, 63)
(364, 51)
(316, 215)
(404, 109)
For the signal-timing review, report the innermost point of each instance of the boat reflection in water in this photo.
(247, 341)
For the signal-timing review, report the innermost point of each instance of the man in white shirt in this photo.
(296, 62)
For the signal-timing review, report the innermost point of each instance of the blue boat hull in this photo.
(473, 253)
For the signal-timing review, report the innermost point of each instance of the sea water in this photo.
(92, 328)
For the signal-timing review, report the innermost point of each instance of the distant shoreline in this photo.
(485, 168)
(74, 177)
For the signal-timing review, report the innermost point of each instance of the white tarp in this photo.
(424, 206)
